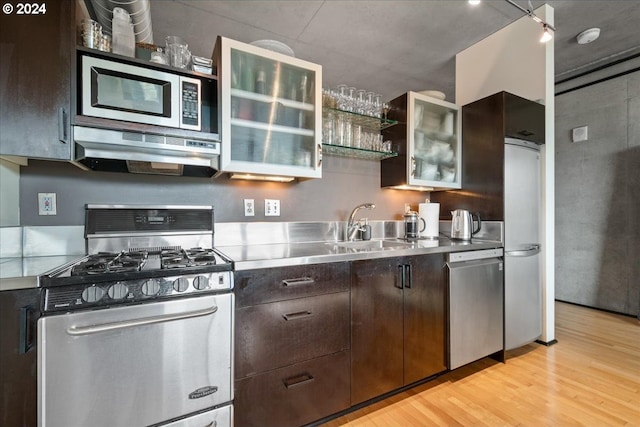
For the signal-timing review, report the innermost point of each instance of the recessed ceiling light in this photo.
(587, 36)
(474, 2)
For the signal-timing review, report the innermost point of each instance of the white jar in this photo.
(123, 38)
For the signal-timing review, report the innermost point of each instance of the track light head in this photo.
(546, 34)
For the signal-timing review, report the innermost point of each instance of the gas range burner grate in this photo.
(187, 258)
(111, 262)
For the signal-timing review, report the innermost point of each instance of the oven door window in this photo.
(113, 90)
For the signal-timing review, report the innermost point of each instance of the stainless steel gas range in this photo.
(139, 332)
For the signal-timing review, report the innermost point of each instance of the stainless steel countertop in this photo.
(23, 272)
(250, 257)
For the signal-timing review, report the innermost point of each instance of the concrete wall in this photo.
(345, 183)
(598, 196)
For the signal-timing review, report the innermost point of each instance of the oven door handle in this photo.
(113, 326)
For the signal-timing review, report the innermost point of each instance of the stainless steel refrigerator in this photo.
(522, 200)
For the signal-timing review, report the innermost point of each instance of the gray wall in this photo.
(598, 196)
(345, 183)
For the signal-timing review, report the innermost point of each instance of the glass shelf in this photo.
(359, 153)
(367, 122)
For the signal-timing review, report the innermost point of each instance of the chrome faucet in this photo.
(352, 226)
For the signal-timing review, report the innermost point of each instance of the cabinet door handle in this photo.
(297, 315)
(298, 380)
(319, 155)
(407, 276)
(413, 166)
(25, 341)
(298, 281)
(62, 125)
(400, 278)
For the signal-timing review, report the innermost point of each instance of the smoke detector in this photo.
(587, 36)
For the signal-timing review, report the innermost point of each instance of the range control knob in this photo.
(118, 291)
(180, 284)
(150, 287)
(92, 293)
(201, 282)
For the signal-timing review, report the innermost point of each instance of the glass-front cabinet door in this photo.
(271, 112)
(429, 144)
(434, 142)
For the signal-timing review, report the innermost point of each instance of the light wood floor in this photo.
(591, 377)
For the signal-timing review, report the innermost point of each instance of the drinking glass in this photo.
(343, 96)
(351, 103)
(386, 107)
(360, 102)
(369, 104)
(328, 129)
(377, 105)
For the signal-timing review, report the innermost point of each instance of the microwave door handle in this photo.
(113, 326)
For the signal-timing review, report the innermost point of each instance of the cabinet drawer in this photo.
(295, 395)
(277, 284)
(269, 336)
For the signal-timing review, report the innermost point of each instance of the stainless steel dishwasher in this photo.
(476, 305)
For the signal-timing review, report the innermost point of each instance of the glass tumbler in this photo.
(360, 101)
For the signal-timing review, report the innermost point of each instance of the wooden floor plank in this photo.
(591, 377)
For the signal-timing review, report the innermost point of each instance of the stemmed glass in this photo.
(386, 107)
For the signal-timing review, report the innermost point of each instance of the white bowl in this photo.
(434, 94)
(274, 46)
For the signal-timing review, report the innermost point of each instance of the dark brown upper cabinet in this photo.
(485, 125)
(35, 71)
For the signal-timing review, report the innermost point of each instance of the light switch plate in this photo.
(271, 207)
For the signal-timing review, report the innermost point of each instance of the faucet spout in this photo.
(352, 227)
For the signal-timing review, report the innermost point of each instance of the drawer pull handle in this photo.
(298, 380)
(298, 281)
(298, 315)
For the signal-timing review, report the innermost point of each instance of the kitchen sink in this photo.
(372, 245)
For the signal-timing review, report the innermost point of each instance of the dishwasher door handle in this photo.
(112, 326)
(529, 250)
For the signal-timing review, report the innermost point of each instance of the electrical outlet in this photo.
(271, 207)
(46, 203)
(249, 207)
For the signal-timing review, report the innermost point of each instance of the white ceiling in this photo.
(391, 47)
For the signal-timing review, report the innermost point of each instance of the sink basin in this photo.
(372, 245)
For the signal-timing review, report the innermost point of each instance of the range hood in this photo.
(135, 152)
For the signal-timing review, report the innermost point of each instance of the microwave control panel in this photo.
(190, 103)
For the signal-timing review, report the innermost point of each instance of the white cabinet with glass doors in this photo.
(270, 105)
(429, 143)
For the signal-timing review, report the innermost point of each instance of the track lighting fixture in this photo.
(546, 34)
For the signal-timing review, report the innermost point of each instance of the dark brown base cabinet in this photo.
(294, 395)
(291, 344)
(397, 323)
(18, 357)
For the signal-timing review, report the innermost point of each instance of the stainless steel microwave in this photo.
(119, 91)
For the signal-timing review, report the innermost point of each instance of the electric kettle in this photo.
(462, 224)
